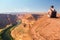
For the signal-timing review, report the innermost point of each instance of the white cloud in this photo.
(15, 10)
(25, 10)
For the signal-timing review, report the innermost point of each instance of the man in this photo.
(52, 12)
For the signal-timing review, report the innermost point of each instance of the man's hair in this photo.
(52, 6)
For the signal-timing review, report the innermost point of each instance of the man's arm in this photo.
(49, 13)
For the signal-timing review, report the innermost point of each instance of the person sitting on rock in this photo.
(52, 12)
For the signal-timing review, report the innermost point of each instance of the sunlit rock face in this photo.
(42, 28)
(46, 29)
(22, 31)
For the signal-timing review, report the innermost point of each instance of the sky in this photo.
(28, 5)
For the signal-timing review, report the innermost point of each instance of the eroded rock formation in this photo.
(43, 28)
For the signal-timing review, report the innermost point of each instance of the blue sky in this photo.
(28, 5)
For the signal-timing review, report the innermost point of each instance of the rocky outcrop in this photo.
(46, 29)
(43, 28)
(21, 33)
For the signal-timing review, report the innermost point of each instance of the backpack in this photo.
(53, 14)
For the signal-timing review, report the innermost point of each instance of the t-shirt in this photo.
(49, 11)
(52, 12)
